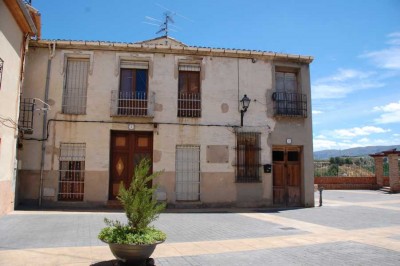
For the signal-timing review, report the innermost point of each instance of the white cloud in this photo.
(316, 112)
(364, 140)
(388, 58)
(344, 82)
(358, 131)
(324, 144)
(391, 113)
(347, 74)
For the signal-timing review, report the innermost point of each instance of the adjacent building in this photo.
(18, 24)
(107, 105)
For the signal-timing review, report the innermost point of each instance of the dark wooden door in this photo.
(286, 175)
(127, 149)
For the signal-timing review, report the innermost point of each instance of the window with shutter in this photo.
(75, 86)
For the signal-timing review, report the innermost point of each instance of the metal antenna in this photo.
(167, 19)
(167, 24)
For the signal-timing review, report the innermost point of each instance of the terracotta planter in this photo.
(133, 254)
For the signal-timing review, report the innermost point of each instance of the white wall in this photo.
(10, 47)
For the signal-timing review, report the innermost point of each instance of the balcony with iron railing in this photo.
(289, 104)
(135, 104)
(189, 104)
(27, 109)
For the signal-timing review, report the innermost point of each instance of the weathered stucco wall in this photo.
(224, 81)
(10, 42)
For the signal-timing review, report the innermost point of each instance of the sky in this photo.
(355, 75)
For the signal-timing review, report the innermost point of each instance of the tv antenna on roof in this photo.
(167, 19)
(165, 25)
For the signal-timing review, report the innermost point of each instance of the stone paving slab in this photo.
(364, 231)
(357, 195)
(345, 217)
(22, 231)
(192, 227)
(339, 253)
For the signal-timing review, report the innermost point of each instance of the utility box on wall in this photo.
(267, 168)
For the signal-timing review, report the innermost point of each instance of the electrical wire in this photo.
(125, 123)
(4, 122)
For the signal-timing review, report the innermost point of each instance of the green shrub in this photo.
(141, 208)
(119, 233)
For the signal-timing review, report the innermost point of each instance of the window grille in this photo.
(248, 157)
(75, 87)
(188, 173)
(72, 171)
(189, 95)
(1, 70)
(27, 108)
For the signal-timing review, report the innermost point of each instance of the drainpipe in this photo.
(52, 48)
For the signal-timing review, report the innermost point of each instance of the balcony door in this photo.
(133, 92)
(286, 175)
(286, 93)
(127, 150)
(189, 96)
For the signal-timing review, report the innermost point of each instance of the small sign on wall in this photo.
(131, 126)
(217, 154)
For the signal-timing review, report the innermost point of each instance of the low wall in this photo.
(386, 181)
(345, 182)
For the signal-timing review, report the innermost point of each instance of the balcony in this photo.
(289, 104)
(189, 104)
(134, 104)
(26, 111)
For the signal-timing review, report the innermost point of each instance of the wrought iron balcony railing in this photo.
(26, 111)
(289, 104)
(189, 104)
(138, 104)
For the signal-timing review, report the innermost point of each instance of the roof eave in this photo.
(139, 47)
(21, 14)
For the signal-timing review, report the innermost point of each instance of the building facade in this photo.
(18, 23)
(111, 104)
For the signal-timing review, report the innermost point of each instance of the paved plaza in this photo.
(351, 228)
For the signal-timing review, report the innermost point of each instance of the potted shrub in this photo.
(135, 241)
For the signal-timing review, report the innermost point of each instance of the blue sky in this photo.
(356, 45)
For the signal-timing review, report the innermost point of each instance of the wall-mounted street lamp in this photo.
(245, 101)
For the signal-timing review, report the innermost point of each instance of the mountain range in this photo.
(359, 151)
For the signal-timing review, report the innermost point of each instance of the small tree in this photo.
(140, 204)
(141, 208)
(333, 170)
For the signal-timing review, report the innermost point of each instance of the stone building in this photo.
(111, 104)
(18, 23)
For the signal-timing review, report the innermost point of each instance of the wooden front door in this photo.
(127, 149)
(286, 175)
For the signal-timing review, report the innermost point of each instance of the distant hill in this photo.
(360, 151)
